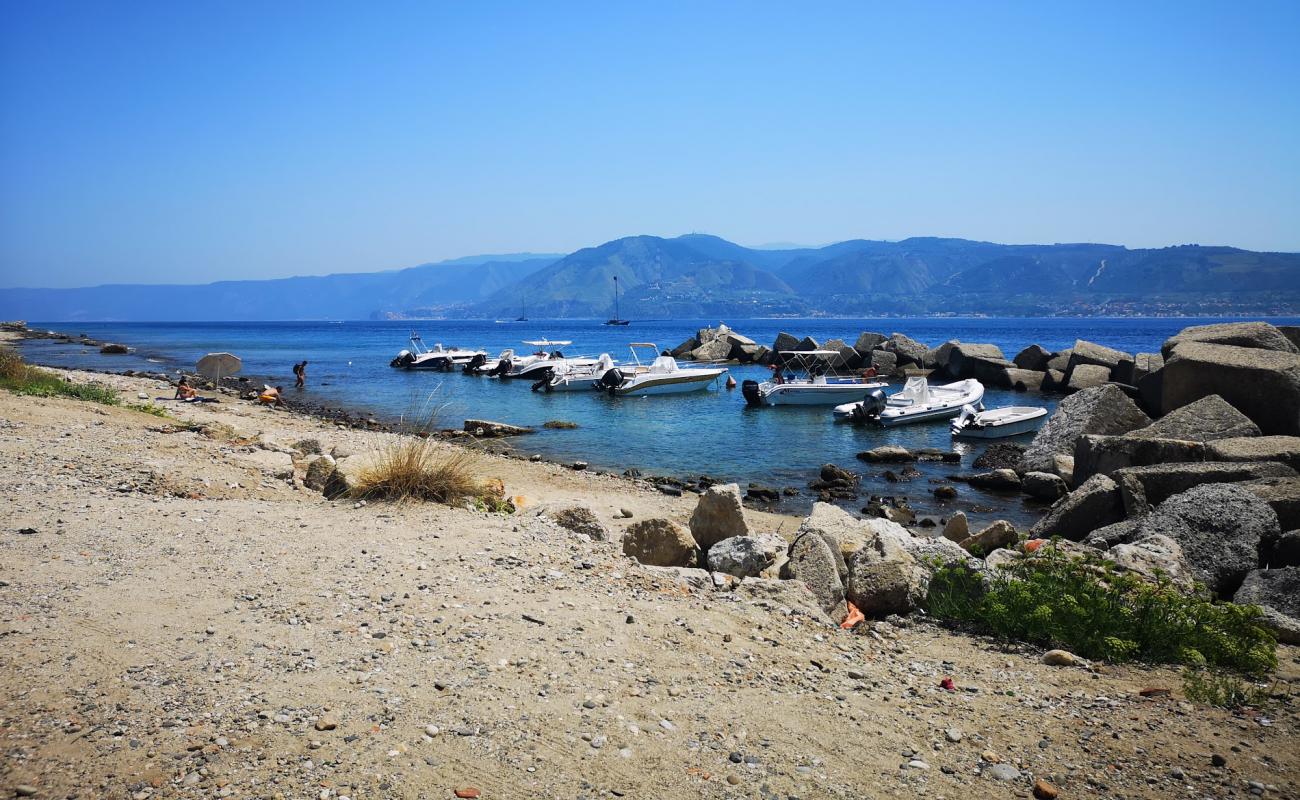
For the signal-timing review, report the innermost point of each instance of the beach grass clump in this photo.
(1082, 603)
(22, 378)
(418, 469)
(1222, 688)
(149, 408)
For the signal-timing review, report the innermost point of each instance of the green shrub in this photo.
(24, 379)
(1222, 689)
(1083, 604)
(149, 408)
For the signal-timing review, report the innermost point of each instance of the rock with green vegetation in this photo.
(1277, 592)
(997, 534)
(559, 424)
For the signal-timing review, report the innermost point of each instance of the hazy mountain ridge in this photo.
(698, 275)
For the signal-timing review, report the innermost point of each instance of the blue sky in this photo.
(195, 141)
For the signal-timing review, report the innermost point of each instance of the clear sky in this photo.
(195, 141)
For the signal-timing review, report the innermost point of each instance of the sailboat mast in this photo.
(616, 316)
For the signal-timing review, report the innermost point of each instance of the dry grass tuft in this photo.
(418, 469)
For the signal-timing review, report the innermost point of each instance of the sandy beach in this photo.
(181, 618)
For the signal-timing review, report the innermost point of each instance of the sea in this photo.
(711, 432)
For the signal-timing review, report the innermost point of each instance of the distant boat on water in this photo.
(617, 320)
(523, 312)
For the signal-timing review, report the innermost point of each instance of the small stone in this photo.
(25, 790)
(1002, 772)
(1218, 760)
(1044, 790)
(917, 763)
(953, 735)
(467, 792)
(326, 723)
(733, 779)
(1061, 658)
(431, 731)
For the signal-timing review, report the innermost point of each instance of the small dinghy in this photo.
(918, 402)
(996, 423)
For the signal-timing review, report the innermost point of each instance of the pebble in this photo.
(1061, 658)
(733, 779)
(466, 792)
(953, 735)
(431, 731)
(1044, 790)
(326, 724)
(1002, 772)
(25, 790)
(1218, 760)
(917, 763)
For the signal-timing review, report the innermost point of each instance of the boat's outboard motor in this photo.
(611, 380)
(871, 406)
(557, 354)
(404, 360)
(545, 382)
(500, 370)
(750, 390)
(474, 364)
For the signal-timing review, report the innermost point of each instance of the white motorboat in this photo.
(917, 402)
(812, 380)
(996, 423)
(535, 366)
(661, 376)
(573, 377)
(438, 358)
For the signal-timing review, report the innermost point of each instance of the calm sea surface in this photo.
(711, 432)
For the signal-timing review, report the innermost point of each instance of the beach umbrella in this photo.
(215, 365)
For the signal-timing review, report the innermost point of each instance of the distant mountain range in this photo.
(704, 276)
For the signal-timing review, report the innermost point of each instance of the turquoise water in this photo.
(711, 432)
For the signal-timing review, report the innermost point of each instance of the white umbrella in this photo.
(214, 365)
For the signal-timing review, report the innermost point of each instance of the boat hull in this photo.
(816, 395)
(669, 384)
(999, 431)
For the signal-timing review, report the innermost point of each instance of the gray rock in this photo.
(1141, 488)
(997, 535)
(957, 528)
(319, 470)
(1292, 333)
(1282, 495)
(1108, 536)
(1044, 486)
(984, 362)
(1103, 410)
(907, 349)
(1053, 381)
(1033, 357)
(1262, 384)
(579, 519)
(1283, 449)
(1254, 335)
(660, 543)
(784, 342)
(867, 342)
(884, 578)
(887, 454)
(842, 532)
(1203, 420)
(808, 343)
(688, 577)
(1285, 552)
(1001, 772)
(1086, 376)
(745, 556)
(1023, 380)
(1096, 503)
(1086, 353)
(308, 447)
(1153, 557)
(717, 350)
(488, 429)
(1219, 528)
(813, 562)
(1104, 455)
(1277, 591)
(1143, 365)
(1000, 480)
(784, 596)
(684, 349)
(884, 362)
(1060, 361)
(718, 515)
(939, 357)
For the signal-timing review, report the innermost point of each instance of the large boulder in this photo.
(867, 342)
(1113, 534)
(746, 556)
(1094, 504)
(884, 578)
(908, 350)
(813, 562)
(957, 528)
(984, 362)
(1044, 486)
(1262, 384)
(843, 533)
(996, 535)
(684, 349)
(1203, 420)
(1141, 488)
(1255, 335)
(1102, 410)
(1142, 365)
(1104, 455)
(1292, 334)
(718, 515)
(319, 470)
(1153, 556)
(1033, 357)
(883, 362)
(1282, 495)
(998, 480)
(348, 473)
(939, 357)
(784, 342)
(660, 543)
(1277, 592)
(1219, 528)
(717, 350)
(1285, 449)
(1086, 376)
(1089, 353)
(1285, 552)
(1060, 360)
(1023, 380)
(786, 597)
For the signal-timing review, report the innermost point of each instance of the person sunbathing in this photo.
(185, 392)
(270, 396)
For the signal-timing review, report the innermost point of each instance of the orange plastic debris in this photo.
(853, 618)
(948, 684)
(467, 792)
(1033, 544)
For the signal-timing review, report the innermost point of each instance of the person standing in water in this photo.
(300, 372)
